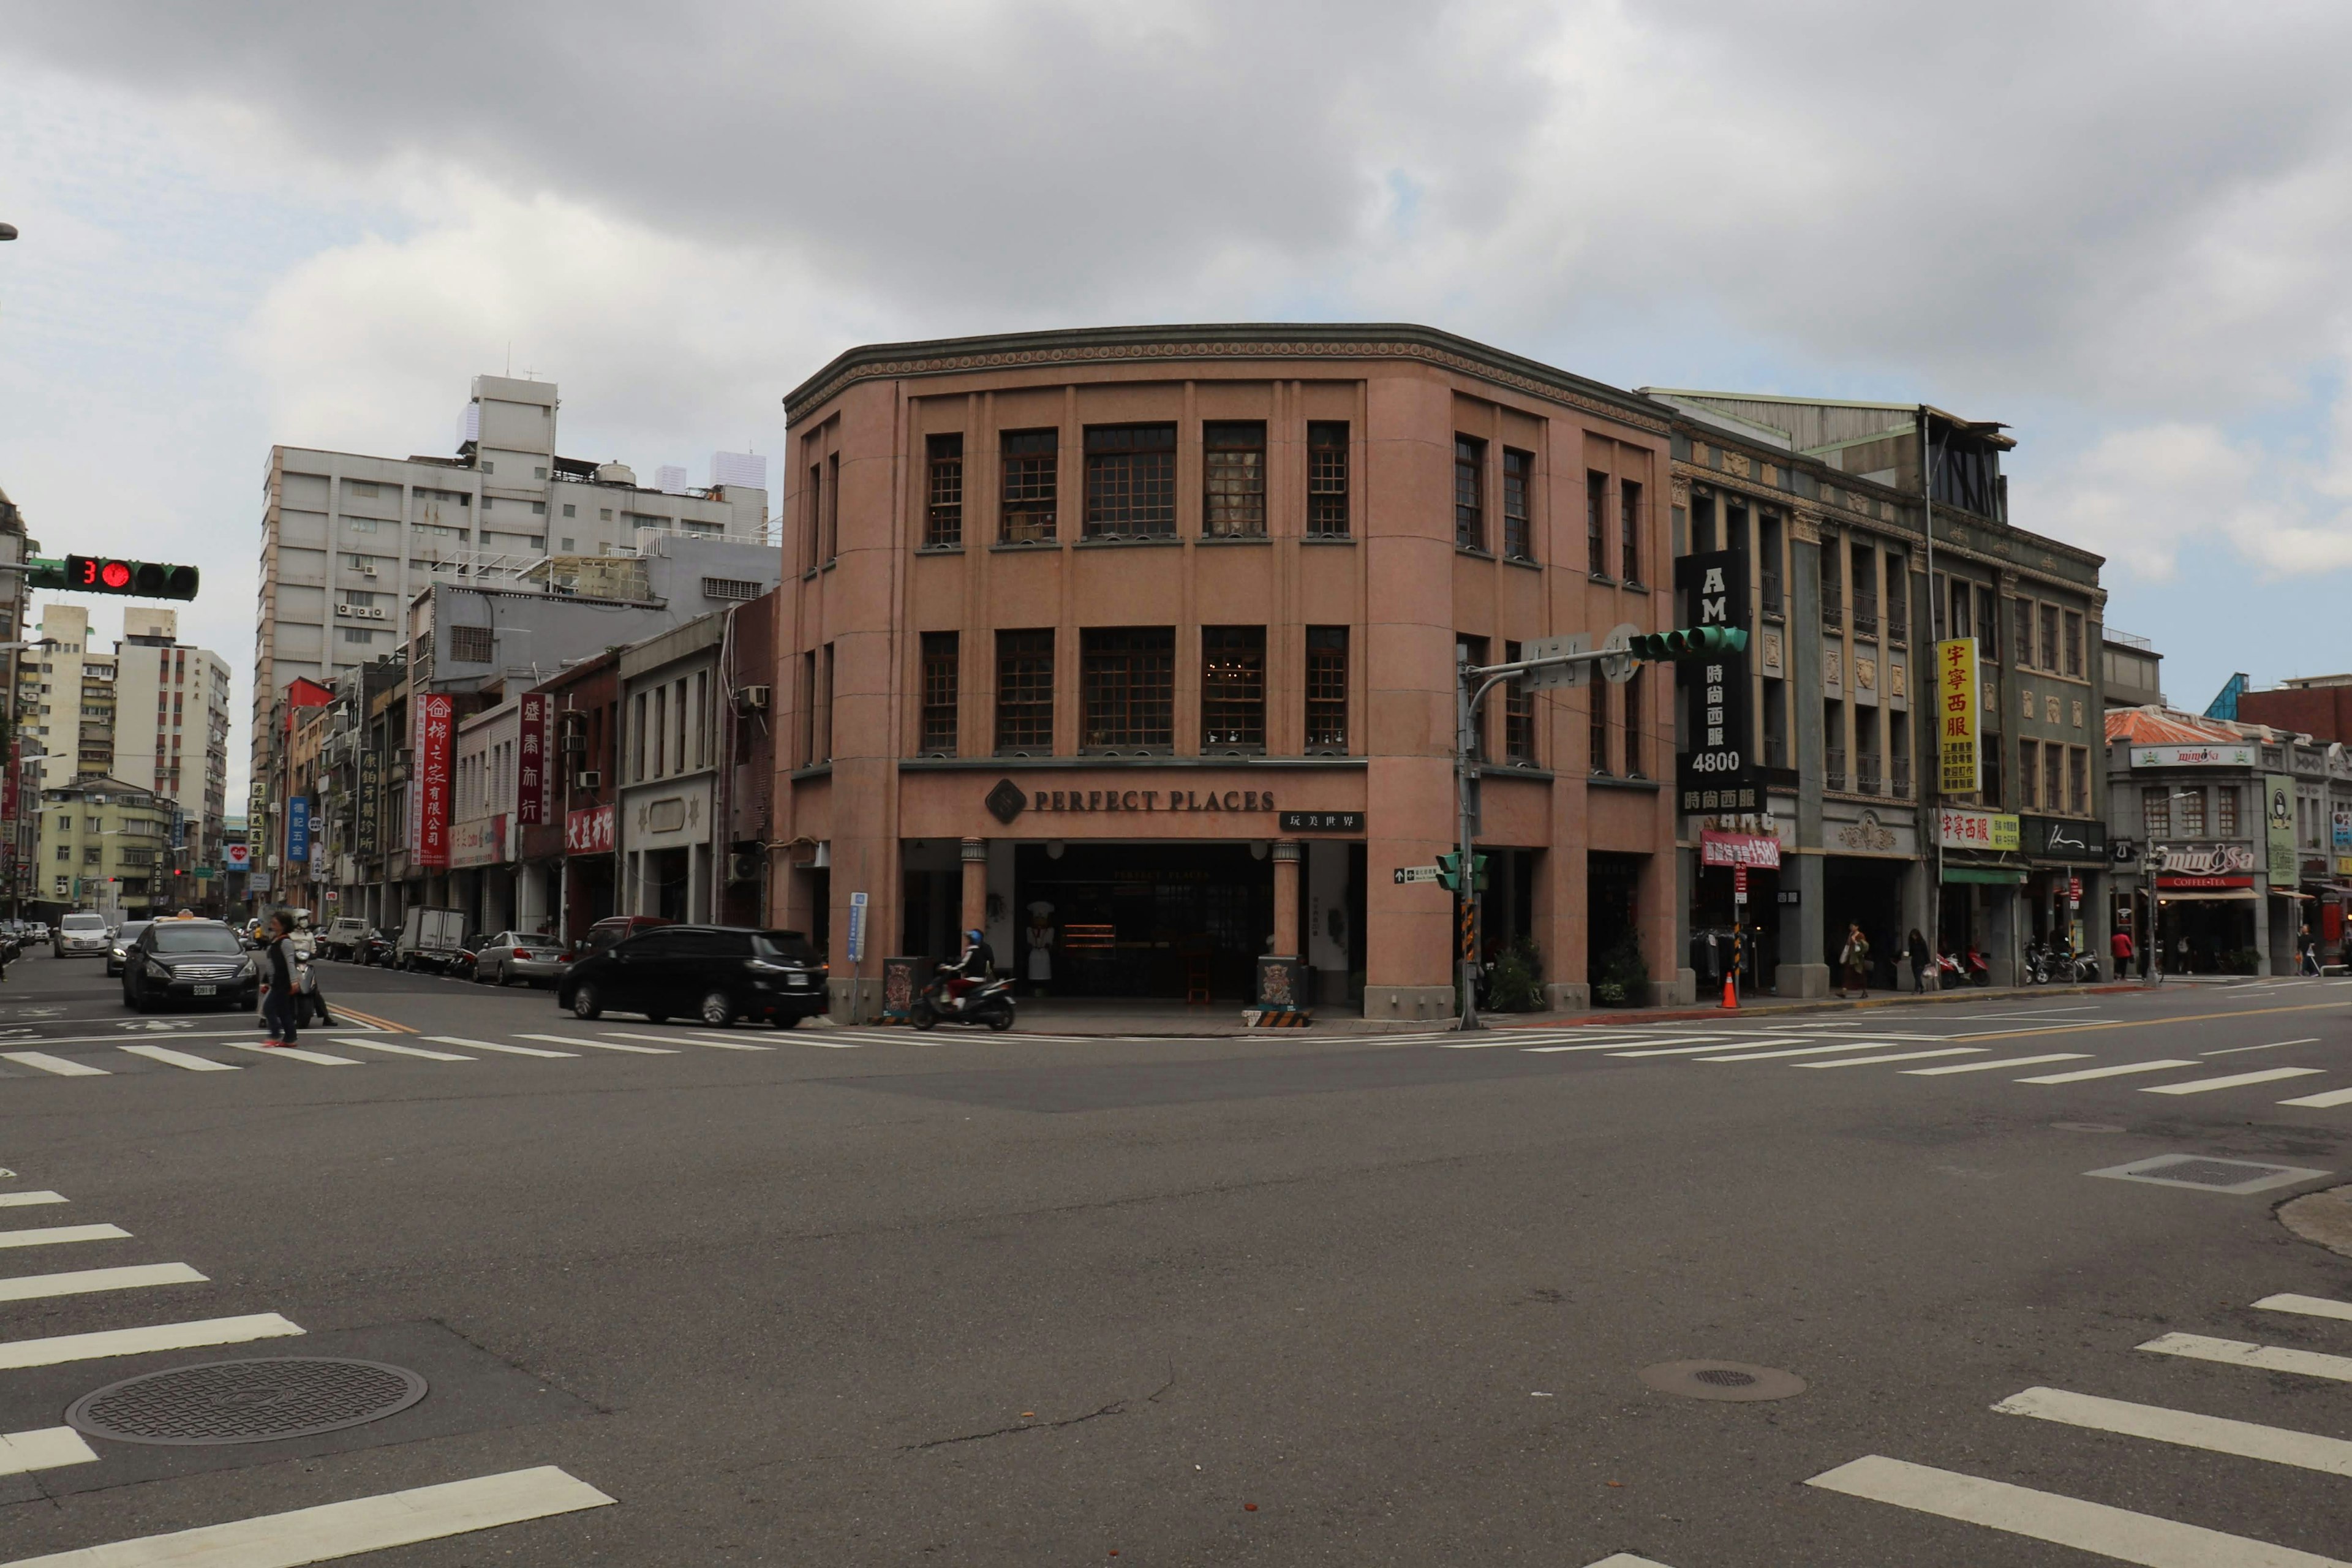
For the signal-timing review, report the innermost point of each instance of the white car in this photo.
(81, 932)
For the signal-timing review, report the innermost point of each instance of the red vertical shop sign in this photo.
(429, 794)
(531, 771)
(8, 786)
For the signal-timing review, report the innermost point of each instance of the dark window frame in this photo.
(1630, 531)
(937, 681)
(1130, 481)
(1127, 689)
(1518, 712)
(1518, 504)
(1327, 480)
(943, 491)
(1024, 689)
(1028, 486)
(1326, 689)
(1233, 479)
(1596, 522)
(1469, 493)
(1233, 689)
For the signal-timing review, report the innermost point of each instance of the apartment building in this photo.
(348, 540)
(105, 844)
(65, 701)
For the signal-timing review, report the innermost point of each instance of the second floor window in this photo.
(1030, 483)
(1130, 481)
(1326, 481)
(1637, 758)
(1469, 493)
(2049, 635)
(2024, 614)
(1233, 687)
(1518, 712)
(1518, 481)
(2192, 812)
(1024, 691)
(943, 514)
(1327, 688)
(941, 652)
(1233, 479)
(1596, 524)
(2156, 812)
(2225, 812)
(1128, 677)
(1629, 530)
(2073, 643)
(2053, 761)
(2078, 781)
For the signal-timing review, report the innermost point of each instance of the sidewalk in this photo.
(1178, 1020)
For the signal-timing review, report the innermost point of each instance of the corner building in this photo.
(1136, 647)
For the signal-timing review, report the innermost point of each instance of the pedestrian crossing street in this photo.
(1848, 1044)
(327, 1530)
(1991, 1503)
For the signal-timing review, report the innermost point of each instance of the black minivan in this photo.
(715, 973)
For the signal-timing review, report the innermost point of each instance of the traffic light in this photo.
(1690, 642)
(139, 579)
(1449, 870)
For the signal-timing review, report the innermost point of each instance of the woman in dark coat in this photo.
(279, 1005)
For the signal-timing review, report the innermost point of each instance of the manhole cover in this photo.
(1722, 1380)
(2234, 1176)
(245, 1401)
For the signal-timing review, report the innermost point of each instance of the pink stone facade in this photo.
(882, 787)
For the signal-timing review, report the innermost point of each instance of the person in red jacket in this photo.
(2121, 947)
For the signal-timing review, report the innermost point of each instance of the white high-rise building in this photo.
(348, 540)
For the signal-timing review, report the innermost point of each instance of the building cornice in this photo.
(1252, 339)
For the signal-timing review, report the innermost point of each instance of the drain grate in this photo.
(261, 1401)
(1722, 1380)
(2237, 1177)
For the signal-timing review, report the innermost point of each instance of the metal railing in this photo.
(1833, 768)
(1902, 778)
(1774, 608)
(1832, 608)
(1865, 617)
(1898, 625)
(1776, 751)
(1866, 780)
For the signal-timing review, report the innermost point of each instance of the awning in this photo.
(2001, 877)
(2210, 896)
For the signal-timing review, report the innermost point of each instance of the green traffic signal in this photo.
(1449, 870)
(1689, 642)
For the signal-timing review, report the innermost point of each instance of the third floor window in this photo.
(1029, 461)
(1326, 481)
(1234, 481)
(1128, 696)
(1519, 486)
(1327, 688)
(1130, 481)
(1233, 687)
(1469, 493)
(943, 515)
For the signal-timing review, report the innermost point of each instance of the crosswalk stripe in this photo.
(87, 1281)
(398, 1051)
(171, 1058)
(26, 1200)
(495, 1046)
(1848, 1047)
(1897, 1056)
(58, 1232)
(2119, 1533)
(1717, 1045)
(2279, 1445)
(63, 1067)
(142, 1342)
(296, 1053)
(50, 1449)
(2234, 1081)
(696, 1039)
(2116, 1072)
(2262, 1358)
(347, 1529)
(602, 1045)
(2004, 1062)
(2327, 1100)
(2309, 1306)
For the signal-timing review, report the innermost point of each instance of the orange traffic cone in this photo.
(1730, 991)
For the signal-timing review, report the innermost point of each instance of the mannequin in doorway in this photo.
(1040, 938)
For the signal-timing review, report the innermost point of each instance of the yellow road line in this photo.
(342, 1012)
(2156, 1023)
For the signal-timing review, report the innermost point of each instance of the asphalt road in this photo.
(853, 1296)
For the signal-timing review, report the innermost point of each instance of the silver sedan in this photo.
(516, 955)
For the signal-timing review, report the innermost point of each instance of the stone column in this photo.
(1285, 897)
(1804, 969)
(975, 886)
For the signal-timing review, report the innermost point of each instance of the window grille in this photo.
(1518, 533)
(1327, 688)
(731, 588)
(1130, 481)
(1024, 691)
(470, 645)
(1596, 523)
(1031, 486)
(1234, 480)
(1128, 676)
(943, 519)
(1469, 493)
(1233, 687)
(1326, 481)
(1519, 702)
(1629, 530)
(940, 657)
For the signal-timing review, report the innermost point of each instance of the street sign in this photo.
(1418, 874)
(1740, 884)
(856, 927)
(1620, 641)
(1559, 674)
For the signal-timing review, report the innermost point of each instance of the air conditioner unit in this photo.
(367, 571)
(743, 867)
(752, 699)
(590, 779)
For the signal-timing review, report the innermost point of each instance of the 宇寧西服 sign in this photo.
(1959, 765)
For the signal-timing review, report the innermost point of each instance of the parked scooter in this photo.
(990, 1001)
(1955, 970)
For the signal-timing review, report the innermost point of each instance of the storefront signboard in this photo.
(2224, 755)
(1965, 828)
(2344, 829)
(2066, 838)
(482, 841)
(1738, 850)
(1321, 822)
(431, 731)
(530, 761)
(1959, 763)
(588, 831)
(370, 803)
(856, 927)
(237, 857)
(297, 828)
(2203, 859)
(2278, 791)
(2193, 884)
(1006, 799)
(257, 883)
(1717, 774)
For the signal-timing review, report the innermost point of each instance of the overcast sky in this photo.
(2120, 228)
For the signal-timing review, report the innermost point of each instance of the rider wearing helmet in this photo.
(978, 963)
